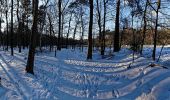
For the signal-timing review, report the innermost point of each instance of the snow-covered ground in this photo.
(69, 76)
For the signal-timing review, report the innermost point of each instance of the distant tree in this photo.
(69, 28)
(42, 21)
(144, 26)
(51, 30)
(104, 27)
(99, 25)
(77, 19)
(19, 29)
(27, 11)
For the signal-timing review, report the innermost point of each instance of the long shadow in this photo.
(34, 77)
(104, 88)
(12, 78)
(78, 68)
(126, 61)
(146, 88)
(133, 95)
(74, 70)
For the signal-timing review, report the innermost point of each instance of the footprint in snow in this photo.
(115, 93)
(139, 82)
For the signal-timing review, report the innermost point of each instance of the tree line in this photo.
(60, 23)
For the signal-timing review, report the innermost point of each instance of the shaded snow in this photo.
(69, 76)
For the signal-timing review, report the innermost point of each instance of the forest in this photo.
(84, 49)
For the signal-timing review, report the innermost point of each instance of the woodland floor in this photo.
(69, 76)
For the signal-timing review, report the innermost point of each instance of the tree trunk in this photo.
(19, 28)
(74, 35)
(100, 27)
(12, 32)
(82, 33)
(104, 29)
(133, 41)
(7, 33)
(0, 30)
(32, 46)
(90, 46)
(50, 28)
(155, 35)
(59, 30)
(144, 27)
(6, 15)
(116, 35)
(69, 26)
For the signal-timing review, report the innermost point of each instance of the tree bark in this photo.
(32, 46)
(90, 46)
(155, 35)
(116, 35)
(19, 28)
(12, 32)
(6, 15)
(59, 30)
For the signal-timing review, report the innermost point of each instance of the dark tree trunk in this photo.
(19, 28)
(82, 29)
(82, 34)
(0, 30)
(116, 35)
(104, 29)
(155, 35)
(32, 46)
(90, 46)
(100, 27)
(6, 15)
(12, 32)
(59, 30)
(133, 41)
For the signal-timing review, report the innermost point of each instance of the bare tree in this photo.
(156, 27)
(144, 26)
(99, 25)
(6, 16)
(12, 32)
(32, 46)
(90, 46)
(59, 25)
(116, 35)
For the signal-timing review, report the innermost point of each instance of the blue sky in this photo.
(110, 24)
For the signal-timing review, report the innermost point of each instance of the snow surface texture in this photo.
(69, 76)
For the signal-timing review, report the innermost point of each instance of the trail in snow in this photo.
(69, 77)
(27, 84)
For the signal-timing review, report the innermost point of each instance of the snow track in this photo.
(66, 78)
(13, 78)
